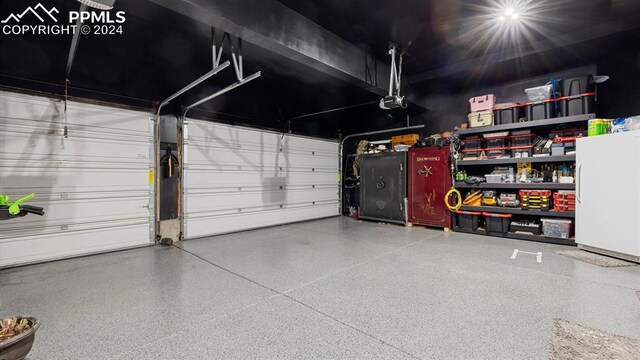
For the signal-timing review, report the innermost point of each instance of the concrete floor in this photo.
(332, 288)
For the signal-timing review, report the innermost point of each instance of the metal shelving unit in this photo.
(567, 120)
(544, 125)
(536, 159)
(517, 186)
(519, 211)
(523, 236)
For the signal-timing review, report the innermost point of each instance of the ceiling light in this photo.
(508, 11)
(99, 4)
(502, 18)
(514, 16)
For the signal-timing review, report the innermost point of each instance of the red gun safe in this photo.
(429, 180)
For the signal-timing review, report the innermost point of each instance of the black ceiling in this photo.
(443, 32)
(161, 51)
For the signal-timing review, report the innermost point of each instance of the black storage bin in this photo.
(468, 220)
(496, 224)
(578, 105)
(383, 186)
(509, 114)
(471, 154)
(496, 142)
(526, 226)
(522, 140)
(495, 153)
(473, 143)
(521, 152)
(540, 110)
(578, 85)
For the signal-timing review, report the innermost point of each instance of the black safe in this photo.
(383, 187)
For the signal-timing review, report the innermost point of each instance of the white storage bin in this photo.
(557, 228)
(494, 178)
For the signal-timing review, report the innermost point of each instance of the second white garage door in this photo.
(237, 178)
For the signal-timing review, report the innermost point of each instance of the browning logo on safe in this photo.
(431, 158)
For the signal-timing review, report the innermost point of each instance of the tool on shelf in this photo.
(508, 200)
(489, 198)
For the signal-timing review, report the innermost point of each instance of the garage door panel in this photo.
(237, 178)
(94, 185)
(229, 179)
(51, 148)
(244, 199)
(53, 246)
(220, 158)
(73, 178)
(202, 226)
(67, 213)
(48, 114)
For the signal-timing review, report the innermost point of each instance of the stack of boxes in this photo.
(535, 199)
(522, 143)
(564, 201)
(481, 110)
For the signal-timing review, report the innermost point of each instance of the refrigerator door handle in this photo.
(579, 185)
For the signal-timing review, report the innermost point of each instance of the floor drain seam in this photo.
(352, 266)
(350, 326)
(230, 271)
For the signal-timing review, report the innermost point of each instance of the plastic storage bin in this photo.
(496, 142)
(496, 224)
(522, 138)
(468, 220)
(521, 151)
(471, 154)
(578, 104)
(525, 226)
(539, 93)
(508, 113)
(557, 228)
(497, 153)
(482, 103)
(494, 178)
(475, 143)
(578, 85)
(540, 110)
(481, 118)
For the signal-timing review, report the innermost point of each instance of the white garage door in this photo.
(94, 185)
(238, 178)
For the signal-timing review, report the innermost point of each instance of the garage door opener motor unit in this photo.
(394, 100)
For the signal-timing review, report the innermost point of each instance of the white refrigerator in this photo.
(608, 194)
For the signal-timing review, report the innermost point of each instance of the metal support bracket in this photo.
(235, 45)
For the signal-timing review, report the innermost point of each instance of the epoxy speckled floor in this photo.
(332, 288)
